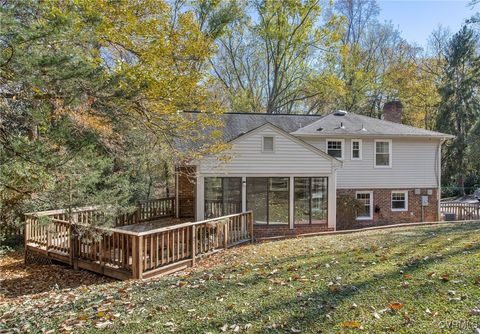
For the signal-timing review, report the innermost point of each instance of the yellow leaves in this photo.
(181, 284)
(88, 119)
(351, 324)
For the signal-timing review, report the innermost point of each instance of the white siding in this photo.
(414, 165)
(247, 158)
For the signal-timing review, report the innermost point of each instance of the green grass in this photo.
(325, 284)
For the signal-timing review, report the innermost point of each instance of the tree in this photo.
(83, 82)
(265, 60)
(459, 112)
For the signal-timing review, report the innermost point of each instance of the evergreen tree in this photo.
(459, 112)
(83, 85)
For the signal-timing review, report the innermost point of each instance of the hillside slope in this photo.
(403, 280)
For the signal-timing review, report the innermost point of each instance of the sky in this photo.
(416, 19)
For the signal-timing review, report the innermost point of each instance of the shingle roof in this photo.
(236, 124)
(350, 124)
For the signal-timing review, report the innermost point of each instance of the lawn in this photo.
(402, 280)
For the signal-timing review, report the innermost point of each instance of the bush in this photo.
(347, 211)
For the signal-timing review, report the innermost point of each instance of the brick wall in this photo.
(385, 216)
(186, 191)
(264, 231)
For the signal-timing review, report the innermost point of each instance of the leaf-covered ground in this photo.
(402, 280)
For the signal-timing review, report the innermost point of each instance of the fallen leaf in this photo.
(395, 306)
(351, 324)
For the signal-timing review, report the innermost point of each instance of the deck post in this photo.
(73, 247)
(194, 244)
(26, 236)
(49, 236)
(250, 225)
(225, 235)
(137, 245)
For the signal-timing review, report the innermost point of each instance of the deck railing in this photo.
(218, 208)
(124, 254)
(462, 211)
(10, 230)
(180, 245)
(148, 210)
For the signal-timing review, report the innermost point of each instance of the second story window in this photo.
(356, 149)
(335, 148)
(383, 153)
(267, 145)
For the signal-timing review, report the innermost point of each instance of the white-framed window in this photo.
(268, 144)
(366, 198)
(400, 200)
(356, 149)
(335, 148)
(383, 153)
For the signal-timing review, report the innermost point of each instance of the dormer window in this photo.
(267, 144)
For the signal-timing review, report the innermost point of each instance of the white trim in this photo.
(342, 150)
(389, 141)
(200, 198)
(405, 192)
(360, 148)
(291, 207)
(371, 204)
(439, 185)
(224, 174)
(244, 194)
(273, 144)
(332, 201)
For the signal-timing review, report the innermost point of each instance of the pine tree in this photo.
(459, 107)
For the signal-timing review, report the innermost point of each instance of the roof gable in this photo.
(290, 137)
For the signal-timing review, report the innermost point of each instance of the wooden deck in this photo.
(145, 249)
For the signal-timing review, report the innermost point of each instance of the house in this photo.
(290, 169)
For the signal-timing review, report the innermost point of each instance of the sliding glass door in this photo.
(223, 196)
(268, 198)
(311, 200)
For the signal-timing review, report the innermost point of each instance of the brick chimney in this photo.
(392, 111)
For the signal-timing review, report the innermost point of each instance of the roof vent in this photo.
(340, 113)
(342, 126)
(363, 129)
(319, 129)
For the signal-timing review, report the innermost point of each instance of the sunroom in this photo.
(289, 185)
